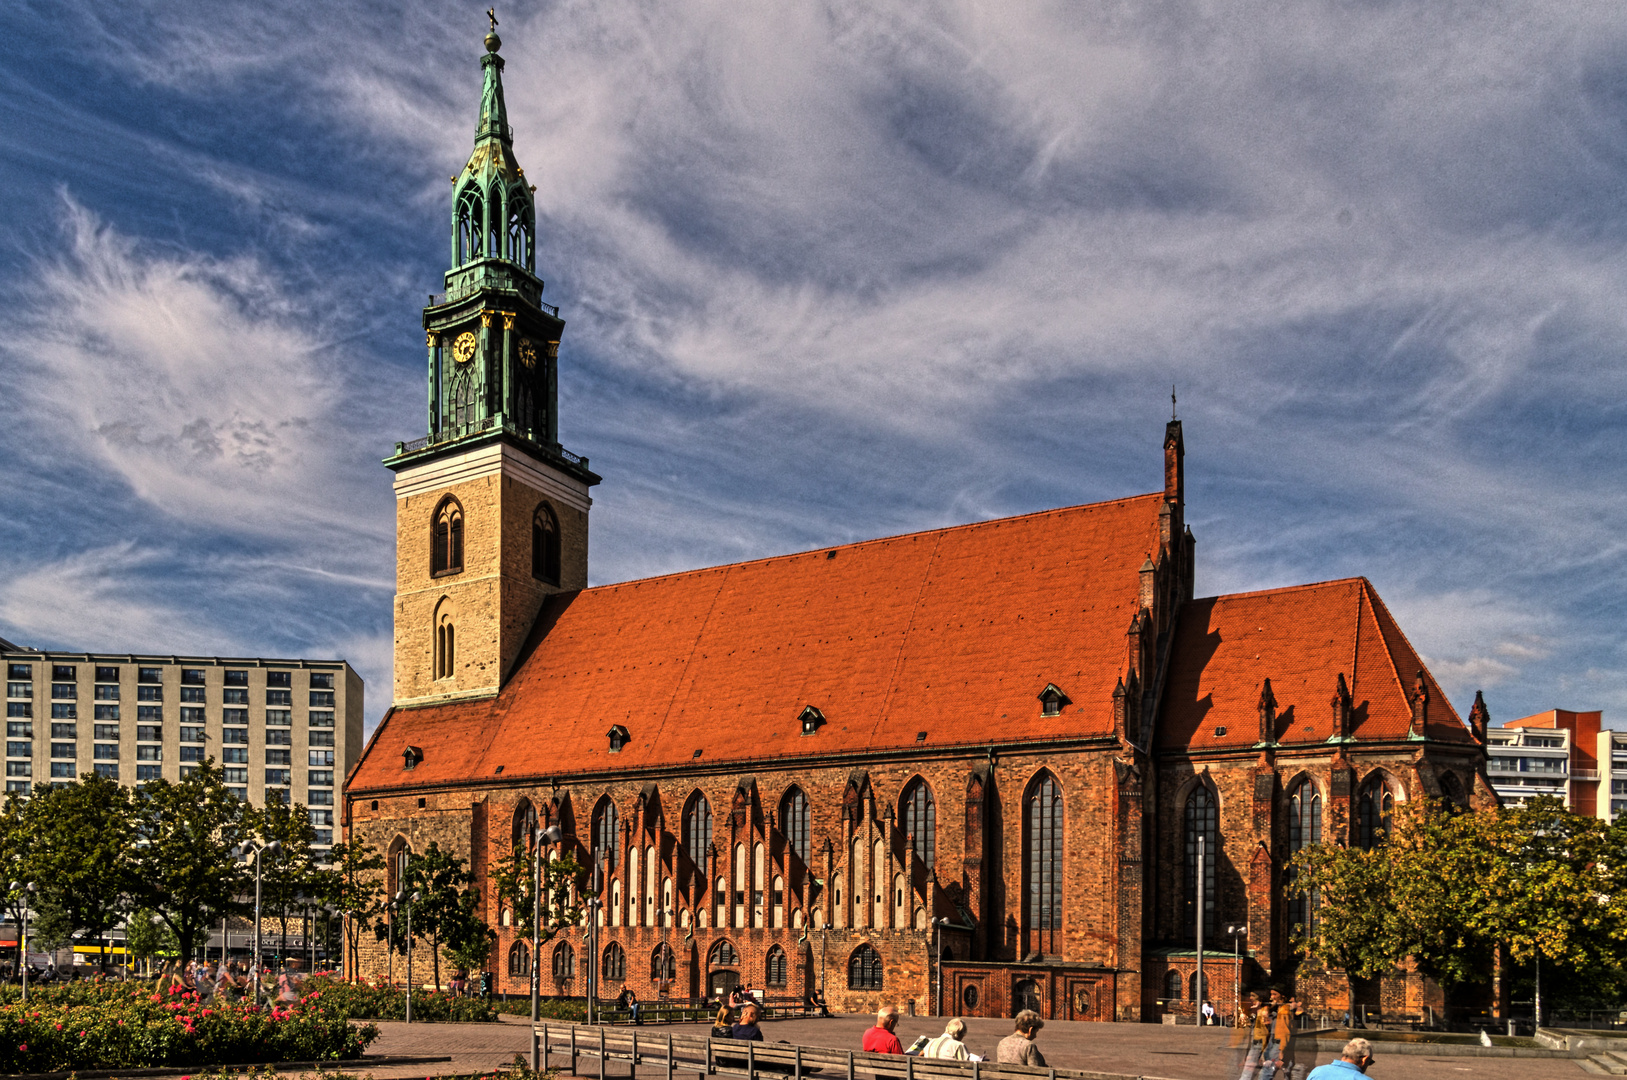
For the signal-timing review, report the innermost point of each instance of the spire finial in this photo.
(493, 42)
(1172, 415)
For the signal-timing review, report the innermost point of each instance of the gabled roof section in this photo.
(947, 631)
(1302, 639)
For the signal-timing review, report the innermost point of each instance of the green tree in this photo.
(185, 866)
(562, 887)
(352, 883)
(80, 859)
(1351, 930)
(469, 940)
(439, 879)
(146, 937)
(289, 876)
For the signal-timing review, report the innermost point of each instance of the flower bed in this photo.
(114, 1025)
(365, 1001)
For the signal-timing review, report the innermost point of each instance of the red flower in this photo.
(23, 1047)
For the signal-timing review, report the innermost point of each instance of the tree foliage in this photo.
(351, 883)
(82, 836)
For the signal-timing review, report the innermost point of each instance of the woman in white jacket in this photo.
(949, 1044)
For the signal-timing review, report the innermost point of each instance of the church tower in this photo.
(491, 512)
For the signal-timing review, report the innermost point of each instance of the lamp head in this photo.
(273, 848)
(551, 835)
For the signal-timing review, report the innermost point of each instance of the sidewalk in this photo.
(1151, 1050)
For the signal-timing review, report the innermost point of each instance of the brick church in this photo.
(1011, 763)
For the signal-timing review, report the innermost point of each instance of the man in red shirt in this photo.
(880, 1039)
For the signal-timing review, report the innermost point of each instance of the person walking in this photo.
(950, 1044)
(1271, 1039)
(1208, 1011)
(747, 1029)
(288, 984)
(1353, 1061)
(880, 1038)
(1018, 1048)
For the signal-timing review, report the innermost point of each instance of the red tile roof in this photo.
(953, 632)
(1301, 639)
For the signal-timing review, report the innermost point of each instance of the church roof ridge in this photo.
(873, 541)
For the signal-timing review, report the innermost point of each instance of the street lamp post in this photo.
(26, 889)
(1238, 931)
(259, 853)
(407, 901)
(937, 985)
(824, 944)
(550, 835)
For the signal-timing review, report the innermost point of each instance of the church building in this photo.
(1010, 763)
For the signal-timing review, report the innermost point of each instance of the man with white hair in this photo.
(880, 1039)
(1353, 1062)
(949, 1044)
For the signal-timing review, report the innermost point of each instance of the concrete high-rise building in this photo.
(1557, 752)
(284, 729)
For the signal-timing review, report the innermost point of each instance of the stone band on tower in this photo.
(491, 512)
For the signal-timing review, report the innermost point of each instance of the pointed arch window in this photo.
(920, 820)
(1042, 864)
(545, 544)
(396, 867)
(519, 960)
(697, 828)
(564, 961)
(794, 821)
(775, 969)
(519, 227)
(864, 969)
(723, 955)
(446, 646)
(446, 538)
(614, 967)
(1304, 829)
(1375, 812)
(471, 223)
(463, 399)
(525, 825)
(604, 836)
(1202, 820)
(663, 964)
(494, 222)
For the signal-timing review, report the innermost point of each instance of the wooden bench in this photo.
(707, 1057)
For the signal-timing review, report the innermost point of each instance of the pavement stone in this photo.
(1148, 1050)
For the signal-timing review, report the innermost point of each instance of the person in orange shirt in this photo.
(880, 1039)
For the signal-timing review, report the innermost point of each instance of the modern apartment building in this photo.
(281, 729)
(1557, 752)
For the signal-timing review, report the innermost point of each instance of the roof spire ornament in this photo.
(1172, 414)
(493, 42)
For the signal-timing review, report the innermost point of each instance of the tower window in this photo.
(471, 223)
(545, 545)
(446, 647)
(446, 539)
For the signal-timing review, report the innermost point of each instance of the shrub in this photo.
(117, 1025)
(364, 1001)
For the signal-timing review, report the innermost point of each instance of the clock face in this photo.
(528, 353)
(463, 349)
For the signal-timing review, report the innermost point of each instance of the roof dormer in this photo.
(1052, 700)
(811, 719)
(618, 737)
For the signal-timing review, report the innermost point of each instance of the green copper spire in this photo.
(493, 113)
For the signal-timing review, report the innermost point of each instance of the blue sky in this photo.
(831, 272)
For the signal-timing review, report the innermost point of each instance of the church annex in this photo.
(1003, 739)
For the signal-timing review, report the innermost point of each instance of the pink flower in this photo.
(23, 1047)
(81, 1034)
(59, 1027)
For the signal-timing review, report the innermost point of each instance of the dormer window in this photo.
(1052, 700)
(618, 738)
(410, 757)
(811, 719)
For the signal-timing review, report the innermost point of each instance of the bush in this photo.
(549, 1008)
(363, 1001)
(115, 1025)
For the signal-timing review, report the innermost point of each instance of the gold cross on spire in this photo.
(491, 13)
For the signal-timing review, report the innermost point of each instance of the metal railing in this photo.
(435, 438)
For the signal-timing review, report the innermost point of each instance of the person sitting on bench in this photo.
(629, 1001)
(747, 1029)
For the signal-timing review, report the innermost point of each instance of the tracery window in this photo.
(545, 544)
(446, 538)
(663, 964)
(723, 955)
(697, 828)
(519, 959)
(604, 836)
(615, 963)
(446, 648)
(564, 961)
(1375, 813)
(920, 820)
(794, 821)
(864, 969)
(471, 222)
(1304, 829)
(1202, 820)
(525, 825)
(1042, 863)
(774, 974)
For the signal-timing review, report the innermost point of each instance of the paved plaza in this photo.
(1176, 1053)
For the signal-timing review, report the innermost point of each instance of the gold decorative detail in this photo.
(528, 353)
(508, 320)
(429, 338)
(485, 319)
(463, 349)
(551, 350)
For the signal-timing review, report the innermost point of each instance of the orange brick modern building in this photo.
(1002, 739)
